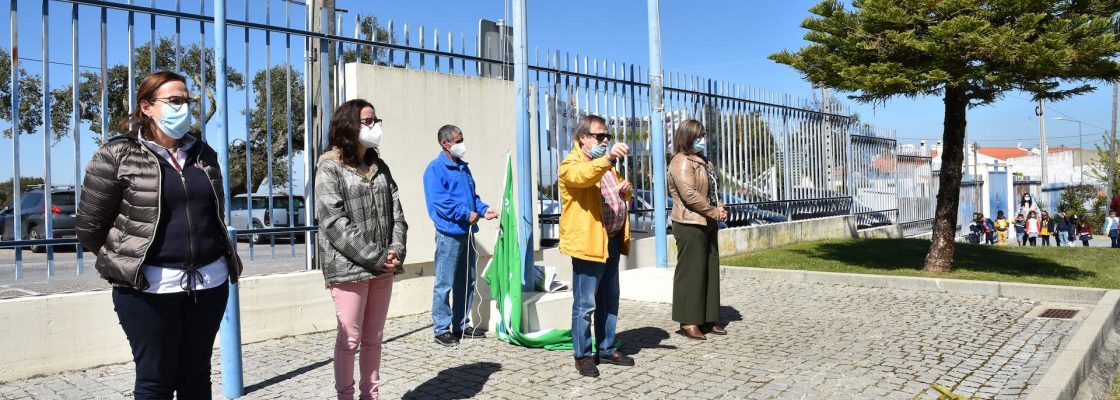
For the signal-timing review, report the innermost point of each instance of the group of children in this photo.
(1035, 226)
(1031, 224)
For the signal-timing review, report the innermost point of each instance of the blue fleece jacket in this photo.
(450, 194)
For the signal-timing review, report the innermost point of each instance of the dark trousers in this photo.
(1045, 240)
(172, 339)
(696, 279)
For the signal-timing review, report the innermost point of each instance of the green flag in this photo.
(503, 274)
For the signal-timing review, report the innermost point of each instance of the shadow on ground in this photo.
(462, 382)
(635, 340)
(729, 314)
(896, 254)
(288, 375)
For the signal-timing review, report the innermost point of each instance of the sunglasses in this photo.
(600, 136)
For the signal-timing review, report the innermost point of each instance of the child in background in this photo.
(1047, 228)
(1020, 230)
(1085, 232)
(976, 229)
(1074, 225)
(1061, 229)
(990, 230)
(1032, 228)
(1112, 228)
(1001, 227)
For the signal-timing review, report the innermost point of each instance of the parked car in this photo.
(32, 216)
(264, 217)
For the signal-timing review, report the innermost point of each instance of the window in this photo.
(62, 198)
(260, 203)
(281, 202)
(238, 203)
(30, 201)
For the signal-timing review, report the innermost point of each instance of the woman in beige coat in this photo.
(696, 213)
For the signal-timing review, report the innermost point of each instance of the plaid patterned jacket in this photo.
(360, 219)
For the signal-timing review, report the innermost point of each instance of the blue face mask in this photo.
(175, 123)
(700, 145)
(599, 150)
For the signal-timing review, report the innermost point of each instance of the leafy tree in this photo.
(193, 56)
(1073, 201)
(30, 97)
(1098, 169)
(368, 54)
(258, 135)
(969, 52)
(90, 106)
(6, 188)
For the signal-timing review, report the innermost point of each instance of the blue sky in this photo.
(719, 39)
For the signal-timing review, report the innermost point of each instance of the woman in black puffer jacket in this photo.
(150, 209)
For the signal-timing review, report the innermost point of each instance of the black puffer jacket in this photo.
(120, 207)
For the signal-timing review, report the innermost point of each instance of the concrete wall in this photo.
(414, 105)
(48, 334)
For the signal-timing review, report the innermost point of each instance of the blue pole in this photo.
(232, 379)
(657, 132)
(524, 147)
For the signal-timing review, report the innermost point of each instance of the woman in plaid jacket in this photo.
(362, 243)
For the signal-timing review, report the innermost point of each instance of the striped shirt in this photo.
(614, 208)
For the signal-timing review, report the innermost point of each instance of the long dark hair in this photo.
(346, 124)
(138, 124)
(1023, 199)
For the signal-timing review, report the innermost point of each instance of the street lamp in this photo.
(1080, 149)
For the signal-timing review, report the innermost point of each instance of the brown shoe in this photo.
(716, 329)
(692, 332)
(616, 358)
(586, 367)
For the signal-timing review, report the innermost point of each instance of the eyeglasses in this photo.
(175, 101)
(600, 136)
(370, 121)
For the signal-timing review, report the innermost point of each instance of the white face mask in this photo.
(371, 136)
(459, 150)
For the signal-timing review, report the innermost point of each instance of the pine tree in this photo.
(969, 52)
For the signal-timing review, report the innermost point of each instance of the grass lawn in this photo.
(1069, 266)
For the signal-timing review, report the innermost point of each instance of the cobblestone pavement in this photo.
(787, 340)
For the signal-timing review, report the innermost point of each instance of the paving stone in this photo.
(786, 341)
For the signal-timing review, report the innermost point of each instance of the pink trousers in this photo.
(361, 308)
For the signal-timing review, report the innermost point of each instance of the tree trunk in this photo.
(940, 257)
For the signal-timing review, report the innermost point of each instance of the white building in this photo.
(1063, 165)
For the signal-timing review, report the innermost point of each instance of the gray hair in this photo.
(446, 132)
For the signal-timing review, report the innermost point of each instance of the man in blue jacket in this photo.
(455, 208)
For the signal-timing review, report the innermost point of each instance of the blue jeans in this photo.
(455, 278)
(595, 291)
(1063, 239)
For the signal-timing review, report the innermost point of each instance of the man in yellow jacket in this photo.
(594, 231)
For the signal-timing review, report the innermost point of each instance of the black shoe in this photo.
(471, 333)
(617, 358)
(447, 339)
(586, 367)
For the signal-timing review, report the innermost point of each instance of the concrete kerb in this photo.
(1072, 364)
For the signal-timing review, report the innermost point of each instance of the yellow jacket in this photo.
(582, 233)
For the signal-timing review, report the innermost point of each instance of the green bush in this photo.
(1073, 199)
